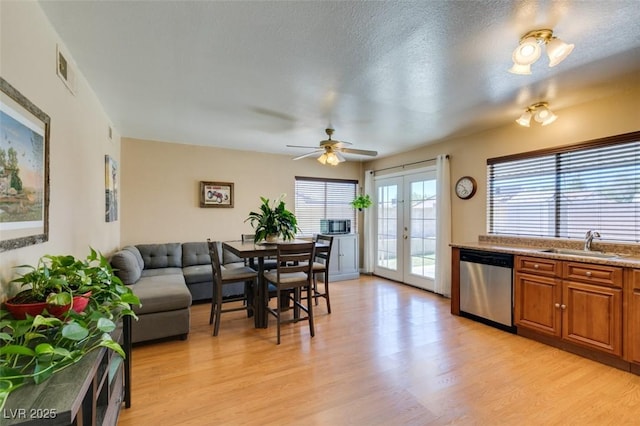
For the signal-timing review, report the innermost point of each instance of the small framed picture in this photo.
(216, 194)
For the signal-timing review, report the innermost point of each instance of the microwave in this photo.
(335, 226)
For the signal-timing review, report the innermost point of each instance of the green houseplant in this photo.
(361, 202)
(35, 347)
(271, 222)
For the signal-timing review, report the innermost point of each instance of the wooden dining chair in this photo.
(222, 277)
(291, 278)
(320, 266)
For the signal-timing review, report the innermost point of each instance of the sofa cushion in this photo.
(196, 253)
(146, 273)
(167, 255)
(136, 253)
(198, 274)
(126, 266)
(161, 293)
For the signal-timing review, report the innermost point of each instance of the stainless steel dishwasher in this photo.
(486, 287)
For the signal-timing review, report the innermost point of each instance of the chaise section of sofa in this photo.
(168, 278)
(154, 274)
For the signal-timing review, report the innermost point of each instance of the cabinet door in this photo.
(634, 325)
(348, 254)
(591, 316)
(537, 302)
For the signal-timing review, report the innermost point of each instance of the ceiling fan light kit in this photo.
(530, 49)
(331, 150)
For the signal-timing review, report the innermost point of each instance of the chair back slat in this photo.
(323, 248)
(215, 260)
(295, 257)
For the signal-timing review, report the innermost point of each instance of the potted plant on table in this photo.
(361, 202)
(272, 222)
(34, 346)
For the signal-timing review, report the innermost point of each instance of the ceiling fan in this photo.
(331, 150)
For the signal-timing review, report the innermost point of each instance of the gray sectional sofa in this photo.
(168, 278)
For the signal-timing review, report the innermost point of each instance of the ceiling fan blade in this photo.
(302, 146)
(359, 151)
(271, 113)
(309, 154)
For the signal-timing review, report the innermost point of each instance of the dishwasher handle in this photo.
(504, 260)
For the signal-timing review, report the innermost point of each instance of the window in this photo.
(318, 198)
(565, 192)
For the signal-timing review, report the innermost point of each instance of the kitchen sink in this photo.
(581, 253)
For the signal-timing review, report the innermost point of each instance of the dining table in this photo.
(251, 250)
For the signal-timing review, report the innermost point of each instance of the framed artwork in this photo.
(216, 194)
(111, 189)
(24, 170)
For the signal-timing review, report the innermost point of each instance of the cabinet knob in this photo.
(557, 305)
(536, 266)
(588, 273)
(563, 306)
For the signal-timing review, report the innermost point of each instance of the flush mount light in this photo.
(540, 112)
(530, 48)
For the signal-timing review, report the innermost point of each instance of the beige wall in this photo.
(603, 117)
(78, 141)
(161, 182)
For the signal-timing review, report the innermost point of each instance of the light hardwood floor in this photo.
(388, 355)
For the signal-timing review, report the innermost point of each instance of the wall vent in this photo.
(65, 69)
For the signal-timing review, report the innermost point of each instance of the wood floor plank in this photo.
(388, 354)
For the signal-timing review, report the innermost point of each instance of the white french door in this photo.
(406, 228)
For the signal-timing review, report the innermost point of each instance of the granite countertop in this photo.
(626, 255)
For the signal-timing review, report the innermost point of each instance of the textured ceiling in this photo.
(388, 76)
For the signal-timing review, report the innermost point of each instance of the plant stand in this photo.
(90, 392)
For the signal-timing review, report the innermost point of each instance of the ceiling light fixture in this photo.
(331, 157)
(529, 50)
(540, 112)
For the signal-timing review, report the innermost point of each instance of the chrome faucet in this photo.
(588, 238)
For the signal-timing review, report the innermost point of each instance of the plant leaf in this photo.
(16, 350)
(44, 349)
(74, 331)
(106, 325)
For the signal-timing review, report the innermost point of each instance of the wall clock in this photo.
(466, 187)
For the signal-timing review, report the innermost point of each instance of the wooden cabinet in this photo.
(633, 318)
(592, 316)
(344, 258)
(535, 303)
(578, 302)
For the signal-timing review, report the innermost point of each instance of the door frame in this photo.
(403, 265)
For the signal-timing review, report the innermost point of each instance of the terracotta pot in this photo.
(20, 310)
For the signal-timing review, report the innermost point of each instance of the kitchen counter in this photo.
(627, 255)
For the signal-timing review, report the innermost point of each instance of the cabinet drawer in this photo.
(596, 274)
(538, 266)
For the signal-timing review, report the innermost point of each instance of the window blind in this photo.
(318, 198)
(567, 192)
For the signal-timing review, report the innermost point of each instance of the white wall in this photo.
(78, 141)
